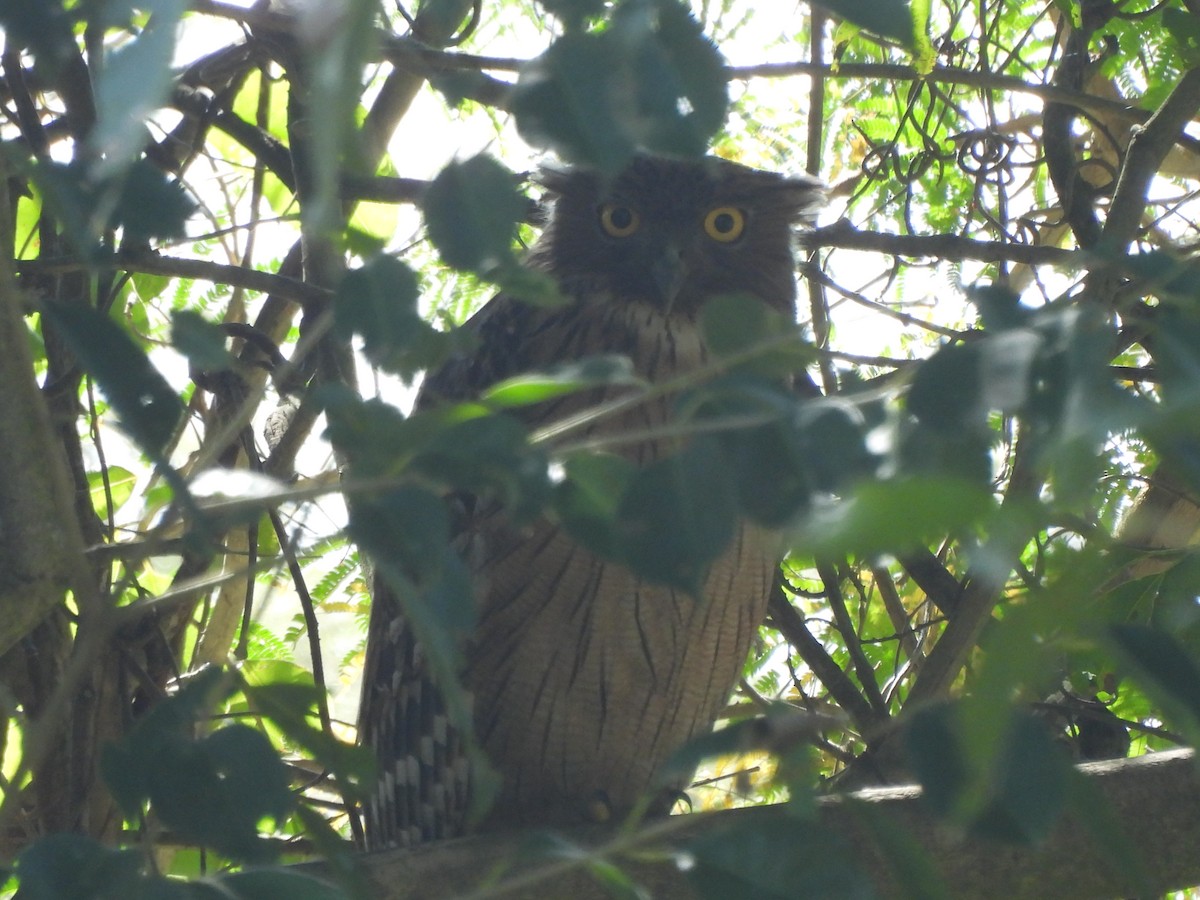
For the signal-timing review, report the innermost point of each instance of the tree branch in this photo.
(1153, 799)
(794, 629)
(842, 234)
(1147, 149)
(41, 544)
(204, 270)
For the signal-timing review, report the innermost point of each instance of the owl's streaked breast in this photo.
(586, 678)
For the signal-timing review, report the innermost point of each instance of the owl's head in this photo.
(675, 233)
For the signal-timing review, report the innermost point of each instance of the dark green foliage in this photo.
(1048, 368)
(408, 530)
(892, 18)
(149, 409)
(751, 337)
(586, 501)
(895, 515)
(472, 209)
(202, 342)
(567, 378)
(1163, 668)
(1184, 31)
(667, 530)
(1017, 792)
(946, 392)
(651, 80)
(133, 83)
(780, 728)
(1174, 339)
(73, 867)
(794, 857)
(139, 200)
(378, 302)
(212, 789)
(489, 455)
(41, 26)
(291, 707)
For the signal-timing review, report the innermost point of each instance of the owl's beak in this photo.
(669, 272)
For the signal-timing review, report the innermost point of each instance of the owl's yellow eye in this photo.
(619, 221)
(725, 224)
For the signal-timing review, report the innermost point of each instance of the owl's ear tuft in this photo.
(559, 179)
(805, 194)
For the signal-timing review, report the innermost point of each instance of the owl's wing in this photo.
(421, 794)
(505, 331)
(423, 787)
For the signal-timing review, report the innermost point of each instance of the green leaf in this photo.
(121, 483)
(1184, 30)
(799, 447)
(1164, 669)
(1028, 785)
(916, 876)
(410, 526)
(791, 858)
(291, 707)
(216, 790)
(149, 409)
(743, 327)
(563, 101)
(887, 18)
(771, 471)
(335, 56)
(1018, 795)
(149, 205)
(340, 861)
(213, 791)
(549, 846)
(42, 26)
(947, 390)
(781, 728)
(202, 342)
(471, 210)
(677, 516)
(651, 80)
(528, 285)
(561, 380)
(678, 75)
(139, 199)
(935, 755)
(489, 455)
(586, 501)
(374, 435)
(999, 307)
(149, 287)
(132, 84)
(894, 516)
(73, 867)
(378, 302)
(834, 444)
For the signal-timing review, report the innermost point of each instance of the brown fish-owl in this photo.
(585, 678)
